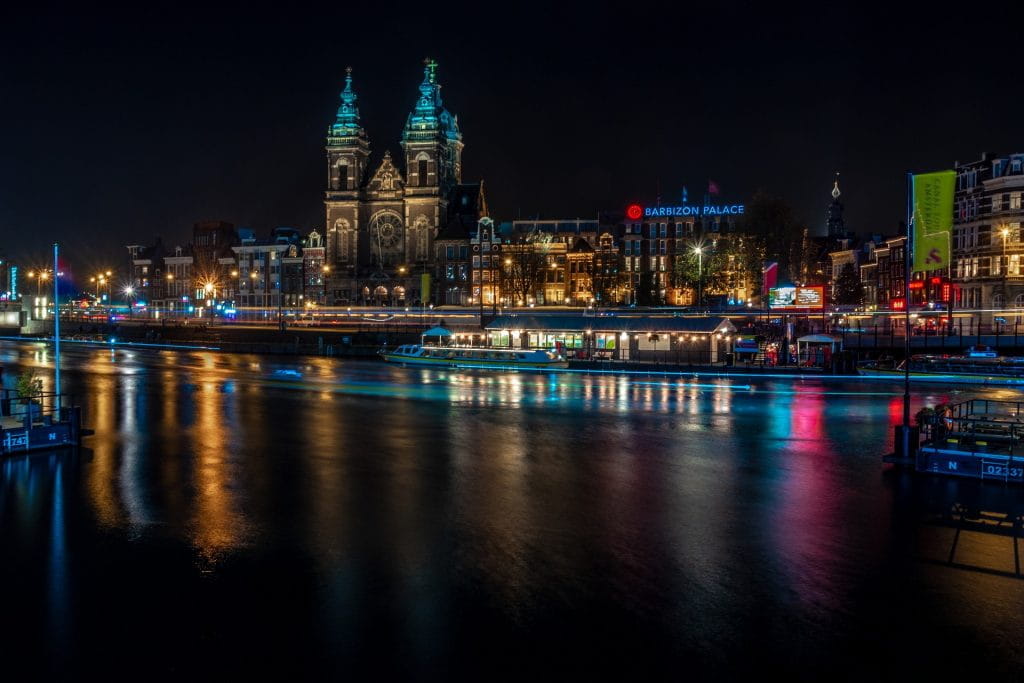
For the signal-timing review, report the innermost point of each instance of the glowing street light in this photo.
(699, 251)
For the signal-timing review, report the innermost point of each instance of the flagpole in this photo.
(909, 259)
(56, 328)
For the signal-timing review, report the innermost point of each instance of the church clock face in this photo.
(386, 231)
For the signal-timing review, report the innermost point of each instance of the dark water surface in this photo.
(244, 517)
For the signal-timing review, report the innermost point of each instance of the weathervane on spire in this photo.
(835, 188)
(431, 69)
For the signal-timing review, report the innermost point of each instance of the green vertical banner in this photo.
(933, 219)
(425, 287)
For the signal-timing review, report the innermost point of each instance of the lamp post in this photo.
(210, 298)
(129, 293)
(252, 286)
(1004, 265)
(39, 276)
(699, 251)
(326, 270)
(170, 281)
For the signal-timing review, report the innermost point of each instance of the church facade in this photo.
(383, 216)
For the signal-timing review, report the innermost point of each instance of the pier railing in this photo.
(978, 426)
(46, 407)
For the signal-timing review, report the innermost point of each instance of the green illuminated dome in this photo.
(429, 118)
(347, 122)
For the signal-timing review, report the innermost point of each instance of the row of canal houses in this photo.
(541, 262)
(229, 265)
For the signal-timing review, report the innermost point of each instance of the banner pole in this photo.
(909, 260)
(56, 328)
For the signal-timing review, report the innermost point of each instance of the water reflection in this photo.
(424, 511)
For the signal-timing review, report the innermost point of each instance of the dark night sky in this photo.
(123, 125)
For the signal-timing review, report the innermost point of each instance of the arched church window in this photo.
(422, 239)
(342, 175)
(342, 239)
(422, 159)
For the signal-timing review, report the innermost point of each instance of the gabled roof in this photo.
(581, 245)
(387, 177)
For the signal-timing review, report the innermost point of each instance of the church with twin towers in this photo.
(385, 214)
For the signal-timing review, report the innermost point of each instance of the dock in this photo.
(46, 422)
(979, 439)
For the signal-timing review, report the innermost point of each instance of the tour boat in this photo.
(467, 357)
(966, 369)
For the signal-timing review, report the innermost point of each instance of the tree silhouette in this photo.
(848, 290)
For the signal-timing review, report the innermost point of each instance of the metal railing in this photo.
(45, 408)
(979, 427)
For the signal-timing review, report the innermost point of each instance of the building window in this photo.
(422, 172)
(343, 176)
(1015, 200)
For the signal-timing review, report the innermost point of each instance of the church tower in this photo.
(432, 147)
(835, 222)
(348, 150)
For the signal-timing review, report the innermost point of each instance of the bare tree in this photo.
(523, 265)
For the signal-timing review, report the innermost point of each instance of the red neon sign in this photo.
(634, 212)
(898, 304)
(945, 292)
(936, 280)
(917, 284)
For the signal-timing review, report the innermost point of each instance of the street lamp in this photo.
(210, 293)
(699, 251)
(323, 279)
(39, 276)
(129, 293)
(1004, 265)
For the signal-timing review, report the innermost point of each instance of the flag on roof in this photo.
(769, 276)
(712, 187)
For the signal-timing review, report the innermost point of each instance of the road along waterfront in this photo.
(275, 516)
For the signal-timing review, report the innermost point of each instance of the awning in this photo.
(818, 339)
(437, 332)
(641, 324)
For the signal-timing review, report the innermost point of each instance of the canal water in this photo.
(287, 518)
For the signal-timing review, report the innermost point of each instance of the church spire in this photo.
(429, 117)
(836, 224)
(347, 122)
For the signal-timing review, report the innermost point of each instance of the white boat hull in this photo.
(454, 357)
